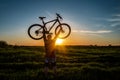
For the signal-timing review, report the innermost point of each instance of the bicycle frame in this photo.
(55, 21)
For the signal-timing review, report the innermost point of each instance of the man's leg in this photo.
(46, 67)
(54, 66)
(46, 71)
(55, 70)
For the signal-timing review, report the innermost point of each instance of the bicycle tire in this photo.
(63, 25)
(33, 35)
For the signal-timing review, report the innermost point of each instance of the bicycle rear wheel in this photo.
(66, 30)
(35, 31)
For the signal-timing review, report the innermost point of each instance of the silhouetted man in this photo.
(50, 57)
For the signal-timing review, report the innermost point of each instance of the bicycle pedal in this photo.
(47, 32)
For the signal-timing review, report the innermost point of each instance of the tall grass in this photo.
(73, 63)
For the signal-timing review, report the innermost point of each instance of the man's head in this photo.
(49, 36)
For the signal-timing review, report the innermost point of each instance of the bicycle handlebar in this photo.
(58, 15)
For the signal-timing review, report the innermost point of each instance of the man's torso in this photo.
(50, 48)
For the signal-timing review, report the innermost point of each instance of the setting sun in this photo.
(59, 41)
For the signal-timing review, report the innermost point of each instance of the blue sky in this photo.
(92, 21)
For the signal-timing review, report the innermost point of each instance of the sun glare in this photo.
(59, 41)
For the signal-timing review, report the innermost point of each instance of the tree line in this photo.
(3, 44)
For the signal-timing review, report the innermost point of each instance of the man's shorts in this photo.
(50, 62)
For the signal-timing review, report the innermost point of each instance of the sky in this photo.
(93, 22)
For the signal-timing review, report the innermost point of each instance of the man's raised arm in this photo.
(44, 35)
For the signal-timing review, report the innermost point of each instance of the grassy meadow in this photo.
(73, 63)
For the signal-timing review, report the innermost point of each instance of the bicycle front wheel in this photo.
(65, 32)
(35, 31)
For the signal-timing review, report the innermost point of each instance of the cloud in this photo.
(115, 24)
(117, 15)
(115, 19)
(75, 30)
(93, 32)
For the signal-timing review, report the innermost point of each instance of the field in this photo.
(73, 63)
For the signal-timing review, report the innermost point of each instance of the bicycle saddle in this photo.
(42, 17)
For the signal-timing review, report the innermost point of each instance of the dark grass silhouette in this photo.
(73, 63)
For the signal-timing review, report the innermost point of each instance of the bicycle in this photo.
(35, 31)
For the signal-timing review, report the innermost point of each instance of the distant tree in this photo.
(109, 45)
(95, 45)
(3, 44)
